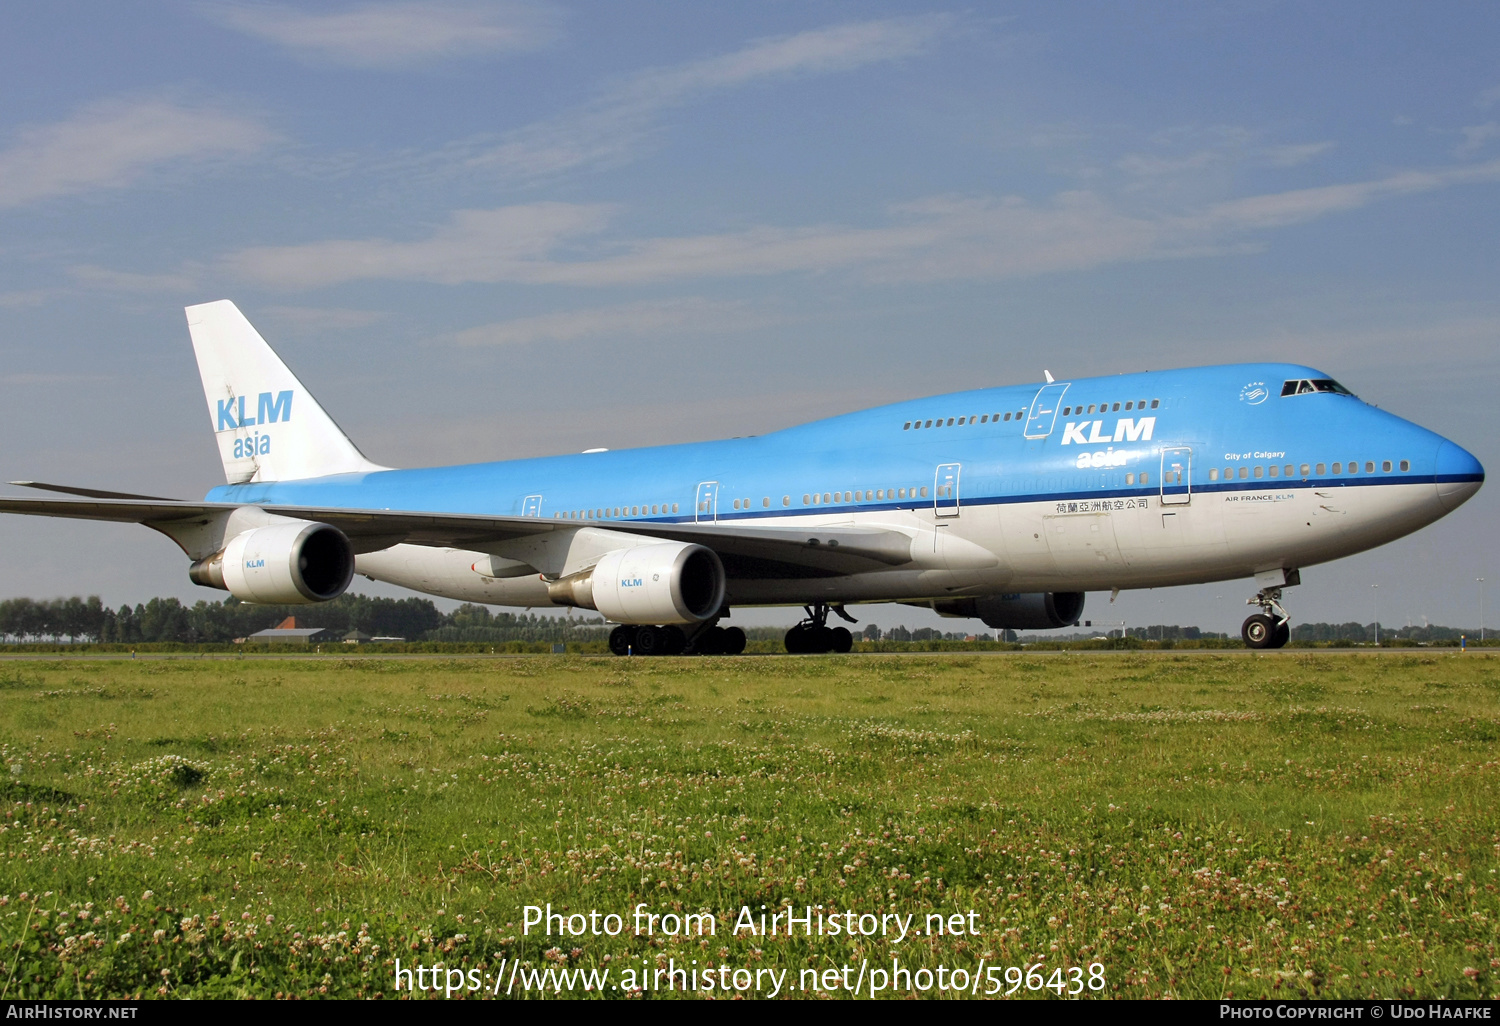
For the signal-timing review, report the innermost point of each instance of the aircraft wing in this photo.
(747, 550)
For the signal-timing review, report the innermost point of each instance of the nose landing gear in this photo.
(813, 635)
(1270, 628)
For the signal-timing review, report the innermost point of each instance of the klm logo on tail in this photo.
(271, 409)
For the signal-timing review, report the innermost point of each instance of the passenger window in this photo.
(736, 503)
(906, 426)
(806, 499)
(1129, 405)
(1213, 473)
(1115, 408)
(1405, 466)
(1091, 407)
(1338, 468)
(827, 497)
(674, 507)
(765, 503)
(1307, 470)
(1354, 466)
(1007, 416)
(1385, 468)
(985, 419)
(817, 499)
(960, 422)
(1145, 479)
(1274, 470)
(1370, 467)
(1321, 471)
(1155, 403)
(1067, 411)
(1260, 472)
(786, 500)
(928, 424)
(1244, 473)
(950, 422)
(1130, 478)
(924, 491)
(903, 493)
(1289, 470)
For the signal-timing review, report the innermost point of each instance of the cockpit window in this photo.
(1305, 386)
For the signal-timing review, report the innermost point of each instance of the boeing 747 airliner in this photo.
(1002, 504)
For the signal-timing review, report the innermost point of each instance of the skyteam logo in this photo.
(269, 410)
(1255, 393)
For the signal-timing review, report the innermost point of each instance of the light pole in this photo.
(1481, 609)
(1376, 588)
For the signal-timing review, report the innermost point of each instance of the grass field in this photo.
(1195, 825)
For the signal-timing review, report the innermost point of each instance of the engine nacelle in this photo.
(658, 583)
(284, 564)
(1038, 610)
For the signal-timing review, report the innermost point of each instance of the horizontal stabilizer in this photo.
(89, 493)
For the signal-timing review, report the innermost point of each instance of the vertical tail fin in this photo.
(268, 427)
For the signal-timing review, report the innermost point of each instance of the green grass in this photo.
(1199, 825)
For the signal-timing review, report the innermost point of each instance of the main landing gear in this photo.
(1270, 628)
(813, 634)
(708, 638)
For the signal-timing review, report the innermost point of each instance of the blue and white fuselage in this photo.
(1006, 503)
(1133, 481)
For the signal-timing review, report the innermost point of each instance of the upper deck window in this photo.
(1306, 386)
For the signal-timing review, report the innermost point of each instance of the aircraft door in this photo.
(706, 506)
(945, 490)
(1176, 476)
(1044, 411)
(531, 506)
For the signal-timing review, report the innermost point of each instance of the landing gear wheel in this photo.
(710, 641)
(842, 640)
(734, 641)
(798, 641)
(675, 640)
(1283, 635)
(650, 641)
(622, 639)
(1259, 631)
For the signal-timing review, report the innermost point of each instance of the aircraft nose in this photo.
(1459, 475)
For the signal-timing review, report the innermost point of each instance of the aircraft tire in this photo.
(622, 639)
(676, 641)
(796, 641)
(734, 641)
(650, 641)
(1259, 631)
(1283, 635)
(842, 640)
(710, 642)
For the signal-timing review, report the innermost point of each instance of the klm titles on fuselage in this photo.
(1127, 429)
(270, 409)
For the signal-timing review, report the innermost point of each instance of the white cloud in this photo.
(393, 34)
(1292, 154)
(112, 144)
(937, 238)
(657, 317)
(129, 281)
(1475, 138)
(312, 319)
(607, 130)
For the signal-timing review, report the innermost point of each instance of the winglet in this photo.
(268, 427)
(1049, 375)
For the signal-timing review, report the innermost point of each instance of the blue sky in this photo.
(489, 230)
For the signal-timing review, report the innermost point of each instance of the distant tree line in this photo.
(418, 619)
(168, 620)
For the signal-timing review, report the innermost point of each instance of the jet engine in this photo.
(1038, 610)
(288, 563)
(657, 583)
